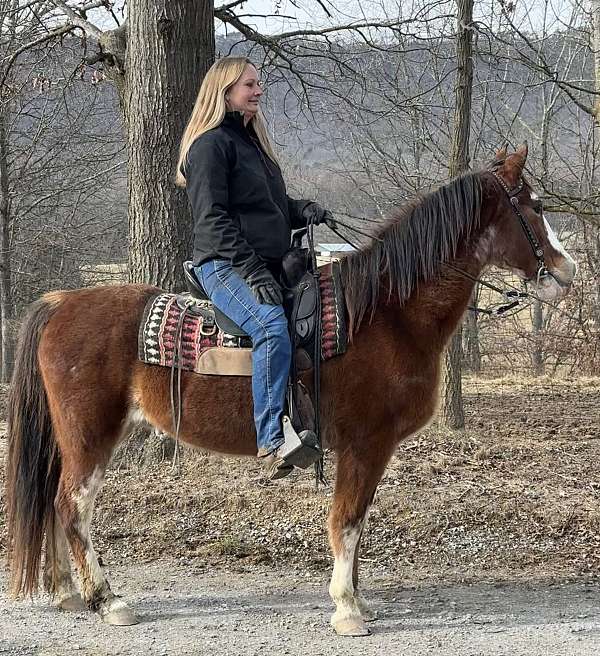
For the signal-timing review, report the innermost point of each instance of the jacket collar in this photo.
(235, 120)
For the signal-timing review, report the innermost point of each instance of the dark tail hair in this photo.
(33, 462)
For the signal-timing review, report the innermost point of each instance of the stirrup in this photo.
(299, 449)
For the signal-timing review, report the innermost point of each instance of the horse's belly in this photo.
(216, 412)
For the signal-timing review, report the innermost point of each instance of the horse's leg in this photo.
(357, 476)
(366, 612)
(74, 505)
(58, 578)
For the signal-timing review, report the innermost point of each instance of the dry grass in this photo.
(513, 496)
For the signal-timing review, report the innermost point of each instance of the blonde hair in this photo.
(210, 107)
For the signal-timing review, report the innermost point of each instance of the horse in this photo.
(78, 386)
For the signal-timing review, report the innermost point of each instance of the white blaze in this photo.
(556, 243)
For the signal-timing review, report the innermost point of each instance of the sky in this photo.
(292, 14)
(275, 16)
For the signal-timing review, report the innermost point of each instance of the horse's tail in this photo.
(33, 462)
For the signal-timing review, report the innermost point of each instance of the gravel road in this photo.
(256, 610)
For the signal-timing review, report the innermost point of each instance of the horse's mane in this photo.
(411, 246)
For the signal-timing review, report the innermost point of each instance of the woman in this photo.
(243, 219)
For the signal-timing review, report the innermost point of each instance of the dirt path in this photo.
(261, 611)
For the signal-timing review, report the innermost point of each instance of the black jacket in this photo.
(240, 207)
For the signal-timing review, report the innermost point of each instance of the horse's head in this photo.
(519, 238)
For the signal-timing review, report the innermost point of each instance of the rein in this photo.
(512, 296)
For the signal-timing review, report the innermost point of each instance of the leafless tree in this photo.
(48, 176)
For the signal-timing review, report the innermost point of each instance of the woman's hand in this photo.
(264, 286)
(315, 214)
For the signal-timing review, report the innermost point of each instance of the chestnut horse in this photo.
(78, 385)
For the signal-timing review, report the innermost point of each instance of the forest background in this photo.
(369, 105)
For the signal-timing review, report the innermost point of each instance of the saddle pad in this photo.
(199, 347)
(216, 352)
(334, 336)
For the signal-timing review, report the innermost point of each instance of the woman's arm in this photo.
(296, 209)
(207, 183)
(303, 210)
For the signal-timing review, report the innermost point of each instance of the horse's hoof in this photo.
(118, 613)
(73, 602)
(352, 627)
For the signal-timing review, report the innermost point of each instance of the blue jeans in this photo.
(271, 347)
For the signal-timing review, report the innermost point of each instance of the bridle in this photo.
(536, 247)
(513, 297)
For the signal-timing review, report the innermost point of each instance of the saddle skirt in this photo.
(179, 330)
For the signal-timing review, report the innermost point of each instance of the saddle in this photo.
(300, 305)
(205, 308)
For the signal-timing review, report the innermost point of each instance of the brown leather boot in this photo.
(274, 465)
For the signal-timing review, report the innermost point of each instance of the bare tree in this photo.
(453, 412)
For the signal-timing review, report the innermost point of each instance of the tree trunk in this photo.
(537, 353)
(170, 46)
(472, 357)
(596, 51)
(6, 296)
(453, 411)
(595, 5)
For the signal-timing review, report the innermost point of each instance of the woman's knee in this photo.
(273, 326)
(277, 323)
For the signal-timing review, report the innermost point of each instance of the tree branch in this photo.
(65, 29)
(543, 66)
(225, 15)
(76, 20)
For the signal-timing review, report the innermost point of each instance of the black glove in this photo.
(315, 214)
(264, 286)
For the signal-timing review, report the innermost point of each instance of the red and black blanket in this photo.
(162, 315)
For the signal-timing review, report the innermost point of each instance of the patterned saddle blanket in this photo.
(205, 348)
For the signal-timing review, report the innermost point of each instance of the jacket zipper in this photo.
(262, 157)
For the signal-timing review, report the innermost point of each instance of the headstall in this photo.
(536, 247)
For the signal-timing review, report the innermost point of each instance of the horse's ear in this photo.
(514, 165)
(501, 152)
(522, 151)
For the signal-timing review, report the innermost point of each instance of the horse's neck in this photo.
(433, 311)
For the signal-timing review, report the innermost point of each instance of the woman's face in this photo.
(243, 96)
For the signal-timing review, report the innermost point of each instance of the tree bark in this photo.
(537, 353)
(6, 296)
(472, 357)
(453, 411)
(170, 46)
